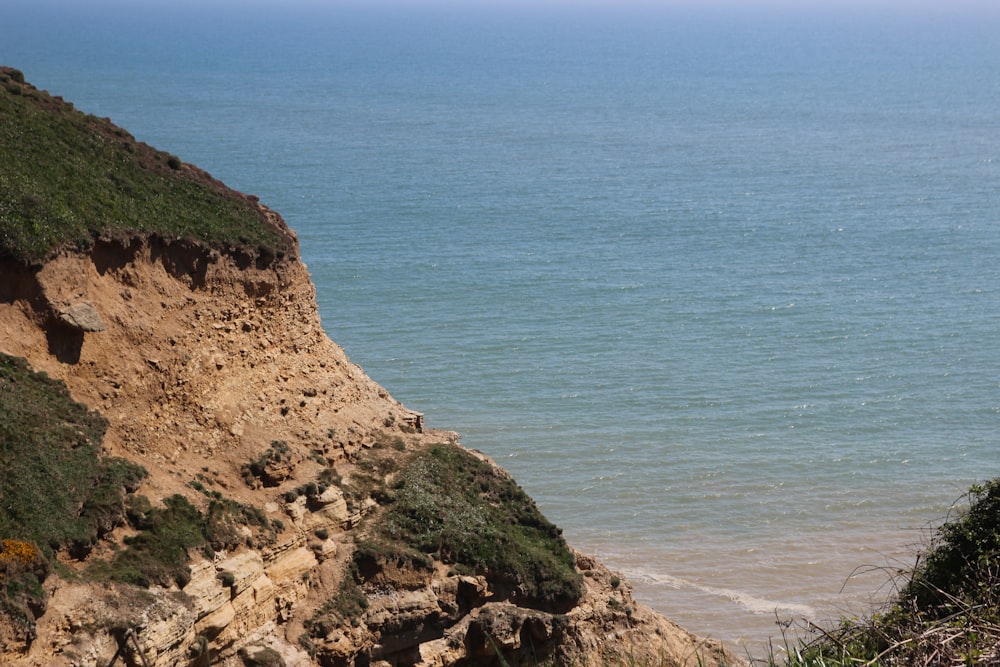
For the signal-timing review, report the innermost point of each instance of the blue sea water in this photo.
(721, 288)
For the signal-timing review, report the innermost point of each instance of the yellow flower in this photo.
(17, 555)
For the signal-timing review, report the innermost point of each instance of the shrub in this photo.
(306, 642)
(158, 554)
(224, 517)
(346, 606)
(18, 557)
(265, 657)
(23, 568)
(964, 564)
(946, 612)
(262, 469)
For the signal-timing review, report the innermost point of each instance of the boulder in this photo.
(82, 316)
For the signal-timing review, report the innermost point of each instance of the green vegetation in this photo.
(23, 568)
(68, 178)
(59, 493)
(57, 490)
(964, 566)
(345, 607)
(262, 469)
(450, 506)
(158, 553)
(947, 612)
(444, 504)
(368, 479)
(225, 519)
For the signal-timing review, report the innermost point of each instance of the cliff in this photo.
(251, 497)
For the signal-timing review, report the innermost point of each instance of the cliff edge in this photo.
(248, 495)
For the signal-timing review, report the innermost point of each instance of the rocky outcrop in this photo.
(82, 317)
(214, 373)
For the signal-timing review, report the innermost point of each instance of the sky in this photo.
(905, 6)
(27, 19)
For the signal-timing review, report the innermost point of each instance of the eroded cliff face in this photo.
(215, 374)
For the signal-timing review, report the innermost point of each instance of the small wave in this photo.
(751, 603)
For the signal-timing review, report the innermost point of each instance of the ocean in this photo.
(721, 288)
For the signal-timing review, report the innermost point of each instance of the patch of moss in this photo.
(68, 178)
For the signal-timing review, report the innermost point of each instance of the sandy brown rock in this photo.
(83, 317)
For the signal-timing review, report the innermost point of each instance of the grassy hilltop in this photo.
(68, 178)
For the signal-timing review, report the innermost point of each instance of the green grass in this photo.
(450, 506)
(68, 178)
(158, 552)
(57, 490)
